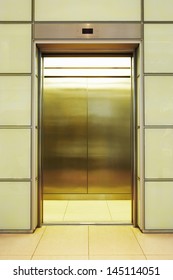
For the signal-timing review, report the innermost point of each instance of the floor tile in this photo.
(60, 257)
(86, 211)
(113, 240)
(64, 241)
(120, 210)
(159, 257)
(54, 210)
(20, 244)
(154, 244)
(15, 257)
(118, 257)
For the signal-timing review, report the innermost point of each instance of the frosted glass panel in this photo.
(12, 10)
(158, 205)
(15, 48)
(159, 153)
(15, 100)
(15, 205)
(158, 10)
(159, 100)
(158, 48)
(87, 10)
(15, 152)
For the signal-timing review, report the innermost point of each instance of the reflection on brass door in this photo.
(86, 139)
(109, 164)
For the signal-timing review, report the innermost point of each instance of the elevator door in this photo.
(86, 136)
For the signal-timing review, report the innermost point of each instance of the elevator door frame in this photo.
(94, 50)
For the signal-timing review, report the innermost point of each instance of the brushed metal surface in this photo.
(109, 144)
(73, 30)
(86, 137)
(88, 196)
(64, 136)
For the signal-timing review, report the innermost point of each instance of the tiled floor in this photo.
(85, 242)
(118, 211)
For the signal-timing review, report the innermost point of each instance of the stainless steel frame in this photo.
(107, 30)
(62, 45)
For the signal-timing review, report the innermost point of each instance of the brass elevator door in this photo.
(86, 136)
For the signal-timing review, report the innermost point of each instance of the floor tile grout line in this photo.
(139, 244)
(38, 242)
(109, 211)
(65, 212)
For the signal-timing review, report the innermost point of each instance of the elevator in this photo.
(86, 136)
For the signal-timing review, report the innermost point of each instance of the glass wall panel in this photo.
(15, 205)
(158, 100)
(158, 205)
(15, 48)
(87, 10)
(158, 48)
(158, 153)
(19, 10)
(158, 10)
(15, 152)
(15, 100)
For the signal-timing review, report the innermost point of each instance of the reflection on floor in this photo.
(83, 242)
(91, 211)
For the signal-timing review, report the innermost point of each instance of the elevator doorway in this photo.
(86, 139)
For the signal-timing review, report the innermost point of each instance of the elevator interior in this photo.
(86, 139)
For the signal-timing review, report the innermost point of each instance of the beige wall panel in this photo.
(87, 10)
(15, 10)
(15, 100)
(158, 48)
(15, 48)
(158, 100)
(158, 205)
(15, 152)
(159, 153)
(158, 10)
(15, 205)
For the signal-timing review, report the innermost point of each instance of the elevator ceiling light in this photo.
(75, 62)
(87, 72)
(87, 66)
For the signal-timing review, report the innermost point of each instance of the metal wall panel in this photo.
(64, 136)
(109, 144)
(86, 136)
